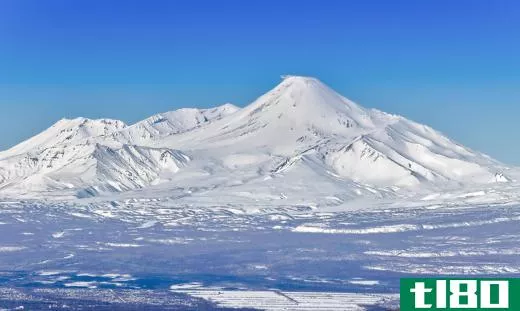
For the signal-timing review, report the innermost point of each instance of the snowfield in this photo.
(302, 200)
(297, 257)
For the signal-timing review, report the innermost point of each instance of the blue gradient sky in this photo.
(454, 65)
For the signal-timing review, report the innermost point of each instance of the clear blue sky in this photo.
(454, 65)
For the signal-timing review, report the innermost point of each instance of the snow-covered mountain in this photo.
(91, 156)
(302, 121)
(299, 130)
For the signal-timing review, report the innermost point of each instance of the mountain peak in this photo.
(68, 131)
(227, 107)
(81, 121)
(307, 102)
(302, 82)
(173, 122)
(299, 78)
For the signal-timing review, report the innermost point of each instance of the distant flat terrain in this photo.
(168, 249)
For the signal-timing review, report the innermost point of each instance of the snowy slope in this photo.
(299, 128)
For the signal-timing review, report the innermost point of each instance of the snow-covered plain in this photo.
(300, 201)
(348, 256)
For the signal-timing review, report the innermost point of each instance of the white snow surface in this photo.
(271, 300)
(299, 131)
